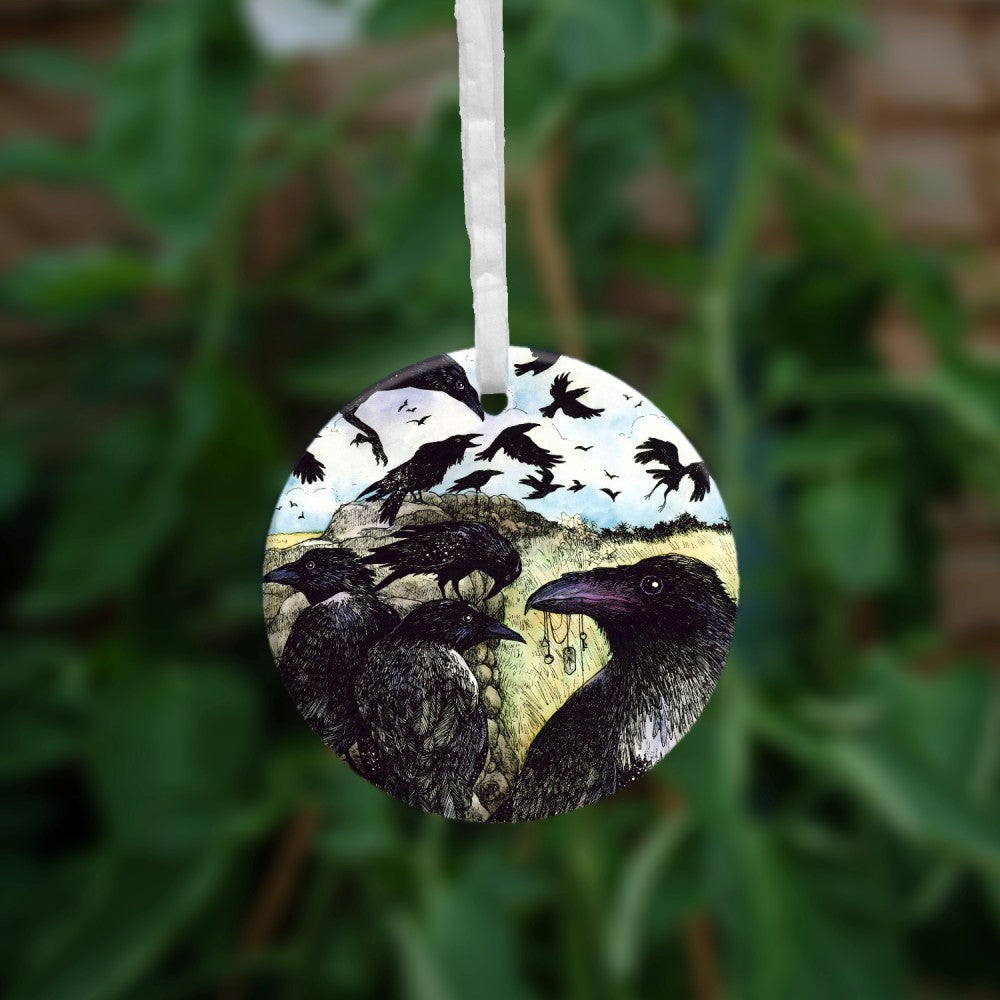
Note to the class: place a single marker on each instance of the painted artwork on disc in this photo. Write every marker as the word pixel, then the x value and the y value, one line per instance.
pixel 500 618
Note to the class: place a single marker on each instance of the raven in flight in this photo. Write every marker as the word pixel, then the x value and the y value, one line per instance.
pixel 515 443
pixel 420 702
pixel 614 494
pixel 425 470
pixel 580 447
pixel 568 400
pixel 541 485
pixel 668 621
pixel 309 469
pixel 440 374
pixel 611 475
pixel 474 481
pixel 576 487
pixel 402 406
pixel 541 361
pixel 302 516
pixel 421 421
pixel 665 452
pixel 451 551
pixel 330 639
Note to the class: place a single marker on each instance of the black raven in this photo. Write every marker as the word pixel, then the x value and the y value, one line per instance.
pixel 402 406
pixel 428 466
pixel 515 443
pixel 292 503
pixel 669 622
pixel 541 485
pixel 576 487
pixel 451 551
pixel 610 475
pixel 541 361
pixel 420 702
pixel 665 452
pixel 440 374
pixel 302 516
pixel 309 469
pixel 330 639
pixel 614 494
pixel 580 447
pixel 421 421
pixel 568 400
pixel 474 481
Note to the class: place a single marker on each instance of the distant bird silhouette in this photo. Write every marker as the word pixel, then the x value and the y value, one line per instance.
pixel 541 361
pixel 474 481
pixel 411 409
pixel 541 485
pixel 329 640
pixel 576 487
pixel 402 406
pixel 611 475
pixel 515 443
pixel 279 506
pixel 614 494
pixel 426 734
pixel 440 374
pixel 568 400
pixel 292 503
pixel 425 470
pixel 637 405
pixel 581 447
pixel 665 452
pixel 668 621
pixel 309 469
pixel 302 515
pixel 626 395
pixel 449 551
pixel 421 421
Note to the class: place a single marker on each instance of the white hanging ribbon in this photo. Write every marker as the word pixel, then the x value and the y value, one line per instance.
pixel 480 71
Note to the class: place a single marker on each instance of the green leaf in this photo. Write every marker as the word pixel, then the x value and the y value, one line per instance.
pixel 42 160
pixel 52 68
pixel 74 284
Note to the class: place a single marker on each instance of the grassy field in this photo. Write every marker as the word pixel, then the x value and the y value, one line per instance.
pixel 532 689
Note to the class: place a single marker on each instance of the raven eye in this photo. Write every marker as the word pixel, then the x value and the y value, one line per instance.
pixel 651 585
pixel 311 564
pixel 467 618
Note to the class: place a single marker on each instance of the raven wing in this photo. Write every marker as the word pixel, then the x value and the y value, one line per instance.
pixel 309 469
pixel 657 450
pixel 572 407
pixel 570 762
pixel 700 481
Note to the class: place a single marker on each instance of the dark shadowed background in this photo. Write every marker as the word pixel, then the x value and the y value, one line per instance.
pixel 779 219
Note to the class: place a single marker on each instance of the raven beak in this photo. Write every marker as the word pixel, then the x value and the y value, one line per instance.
pixel 471 399
pixel 498 631
pixel 579 593
pixel 470 439
pixel 498 585
pixel 283 574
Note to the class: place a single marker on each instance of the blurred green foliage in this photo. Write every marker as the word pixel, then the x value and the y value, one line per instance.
pixel 830 828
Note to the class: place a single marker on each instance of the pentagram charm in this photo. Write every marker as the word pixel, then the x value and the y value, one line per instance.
pixel 500 618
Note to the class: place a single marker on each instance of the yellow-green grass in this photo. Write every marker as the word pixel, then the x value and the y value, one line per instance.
pixel 286 539
pixel 532 690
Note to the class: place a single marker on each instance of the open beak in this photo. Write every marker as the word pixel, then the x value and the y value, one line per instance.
pixel 498 631
pixel 282 575
pixel 470 439
pixel 580 593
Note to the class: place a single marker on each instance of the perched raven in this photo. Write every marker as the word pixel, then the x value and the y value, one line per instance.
pixel 576 487
pixel 427 737
pixel 330 639
pixel 440 374
pixel 568 400
pixel 473 481
pixel 541 361
pixel 515 443
pixel 451 551
pixel 669 622
pixel 665 452
pixel 428 466
pixel 541 485
pixel 309 469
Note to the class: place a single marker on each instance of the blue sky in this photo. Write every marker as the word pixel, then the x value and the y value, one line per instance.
pixel 613 437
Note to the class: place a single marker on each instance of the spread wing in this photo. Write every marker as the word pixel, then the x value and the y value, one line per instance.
pixel 309 469
pixel 657 450
pixel 700 481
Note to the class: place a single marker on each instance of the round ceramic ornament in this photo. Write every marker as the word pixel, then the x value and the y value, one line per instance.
pixel 499 617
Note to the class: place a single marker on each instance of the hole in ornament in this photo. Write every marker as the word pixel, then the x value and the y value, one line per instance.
pixel 494 402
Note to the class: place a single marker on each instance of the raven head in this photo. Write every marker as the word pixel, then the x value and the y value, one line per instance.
pixel 504 572
pixel 670 597
pixel 323 572
pixel 449 377
pixel 454 624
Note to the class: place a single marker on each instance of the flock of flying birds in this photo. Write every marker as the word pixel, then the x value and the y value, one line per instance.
pixel 428 467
